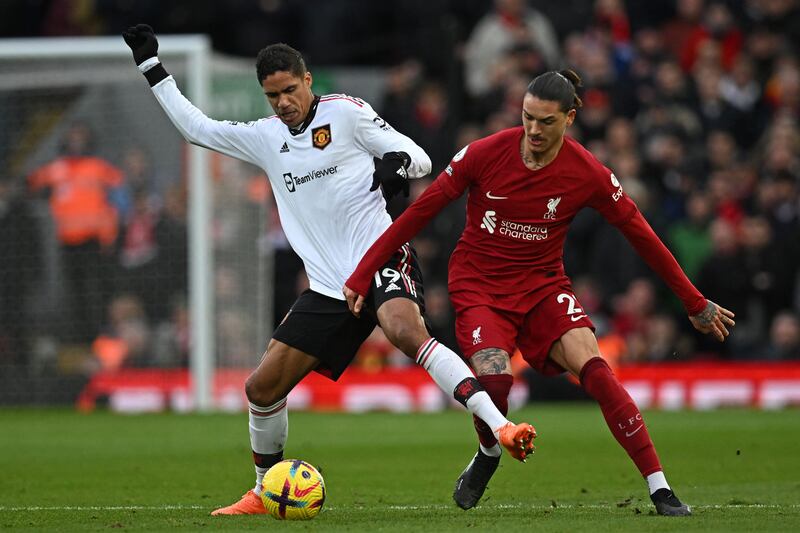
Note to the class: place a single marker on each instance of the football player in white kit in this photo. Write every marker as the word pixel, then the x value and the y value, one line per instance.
pixel 325 157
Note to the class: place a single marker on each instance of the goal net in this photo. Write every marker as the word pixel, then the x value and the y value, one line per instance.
pixel 126 253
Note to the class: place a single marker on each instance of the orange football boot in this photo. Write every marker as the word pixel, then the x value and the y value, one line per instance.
pixel 517 439
pixel 249 504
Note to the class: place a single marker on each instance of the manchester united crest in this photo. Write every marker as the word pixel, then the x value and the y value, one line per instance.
pixel 321 136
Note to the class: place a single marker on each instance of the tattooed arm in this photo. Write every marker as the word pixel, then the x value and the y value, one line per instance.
pixel 713 319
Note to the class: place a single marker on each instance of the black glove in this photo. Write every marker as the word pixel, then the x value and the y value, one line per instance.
pixel 391 173
pixel 142 41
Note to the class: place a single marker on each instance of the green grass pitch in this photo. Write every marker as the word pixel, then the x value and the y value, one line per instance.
pixel 63 471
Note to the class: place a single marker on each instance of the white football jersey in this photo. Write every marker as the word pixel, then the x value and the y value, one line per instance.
pixel 320 177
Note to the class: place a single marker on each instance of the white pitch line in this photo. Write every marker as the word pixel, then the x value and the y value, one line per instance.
pixel 104 508
pixel 588 506
pixel 391 507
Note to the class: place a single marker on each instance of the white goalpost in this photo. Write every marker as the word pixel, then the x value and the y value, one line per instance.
pixel 68 63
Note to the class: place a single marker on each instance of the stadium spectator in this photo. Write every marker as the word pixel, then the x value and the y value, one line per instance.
pixel 784 338
pixel 509 24
pixel 717 30
pixel 724 275
pixel 141 177
pixel 722 153
pixel 687 21
pixel 633 308
pixel 402 83
pixel 79 185
pixel 714 112
pixel 689 237
pixel 740 89
pixel 648 52
pixel 151 251
pixel 781 16
pixel 125 338
pixel 426 117
pixel 771 271
pixel 621 139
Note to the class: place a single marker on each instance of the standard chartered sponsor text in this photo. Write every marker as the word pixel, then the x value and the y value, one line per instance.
pixel 525 232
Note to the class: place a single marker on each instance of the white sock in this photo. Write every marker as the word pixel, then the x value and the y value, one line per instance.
pixel 494 451
pixel 448 370
pixel 269 427
pixel 656 481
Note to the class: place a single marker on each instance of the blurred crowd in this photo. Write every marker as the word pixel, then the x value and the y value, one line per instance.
pixel 694 104
pixel 118 235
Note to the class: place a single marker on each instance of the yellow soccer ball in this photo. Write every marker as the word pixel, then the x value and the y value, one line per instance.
pixel 293 490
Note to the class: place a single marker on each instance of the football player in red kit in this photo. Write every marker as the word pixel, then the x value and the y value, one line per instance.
pixel 506 275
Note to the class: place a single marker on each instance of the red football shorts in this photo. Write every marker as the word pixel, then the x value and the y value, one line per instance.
pixel 532 330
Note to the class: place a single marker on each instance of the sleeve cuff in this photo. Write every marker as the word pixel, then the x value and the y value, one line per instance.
pixel 148 63
pixel 697 308
pixel 156 74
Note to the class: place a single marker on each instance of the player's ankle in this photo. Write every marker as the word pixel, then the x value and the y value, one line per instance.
pixel 656 481
pixel 491 451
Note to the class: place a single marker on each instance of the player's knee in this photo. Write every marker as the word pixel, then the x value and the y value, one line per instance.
pixel 398 335
pixel 574 349
pixel 406 335
pixel 259 392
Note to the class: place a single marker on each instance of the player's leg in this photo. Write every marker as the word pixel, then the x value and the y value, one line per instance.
pixel 319 333
pixel 397 294
pixel 486 336
pixel 281 368
pixel 403 325
pixel 493 368
pixel 577 351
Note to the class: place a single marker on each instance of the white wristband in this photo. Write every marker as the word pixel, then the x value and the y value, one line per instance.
pixel 148 63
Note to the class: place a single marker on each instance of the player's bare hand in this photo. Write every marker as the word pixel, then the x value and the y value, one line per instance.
pixel 354 300
pixel 715 320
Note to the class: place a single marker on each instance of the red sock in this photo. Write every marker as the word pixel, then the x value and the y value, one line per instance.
pixel 497 386
pixel 621 414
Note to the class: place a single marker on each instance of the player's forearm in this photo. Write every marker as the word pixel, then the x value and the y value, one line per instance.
pixel 652 250
pixel 401 231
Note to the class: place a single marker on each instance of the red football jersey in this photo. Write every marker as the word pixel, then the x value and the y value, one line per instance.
pixel 517 218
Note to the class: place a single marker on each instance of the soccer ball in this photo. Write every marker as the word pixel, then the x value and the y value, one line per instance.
pixel 293 490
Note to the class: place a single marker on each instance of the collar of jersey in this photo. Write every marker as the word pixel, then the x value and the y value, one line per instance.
pixel 311 114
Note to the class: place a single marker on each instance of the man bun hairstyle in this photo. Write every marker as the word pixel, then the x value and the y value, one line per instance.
pixel 558 87
pixel 279 57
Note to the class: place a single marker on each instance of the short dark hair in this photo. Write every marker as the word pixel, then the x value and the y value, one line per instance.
pixel 558 87
pixel 279 57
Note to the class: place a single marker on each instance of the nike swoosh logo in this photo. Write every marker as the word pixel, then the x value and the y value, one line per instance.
pixel 632 433
pixel 299 493
pixel 490 196
pixel 576 318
